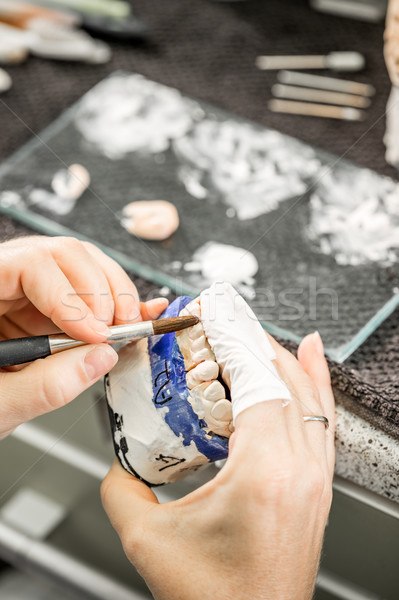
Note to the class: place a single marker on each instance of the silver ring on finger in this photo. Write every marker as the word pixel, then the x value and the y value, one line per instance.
pixel 320 418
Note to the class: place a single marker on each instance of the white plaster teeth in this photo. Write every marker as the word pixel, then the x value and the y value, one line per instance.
pixel 192 308
pixel 222 410
pixel 214 392
pixel 196 331
pixel 201 350
pixel 198 344
pixel 204 354
pixel 205 371
pixel 207 395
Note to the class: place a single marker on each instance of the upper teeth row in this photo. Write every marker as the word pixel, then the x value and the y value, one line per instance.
pixel 207 395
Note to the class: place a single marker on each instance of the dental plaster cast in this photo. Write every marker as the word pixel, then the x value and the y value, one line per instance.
pixel 170 410
pixel 150 220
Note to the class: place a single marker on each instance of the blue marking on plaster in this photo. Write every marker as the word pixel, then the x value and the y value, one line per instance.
pixel 170 390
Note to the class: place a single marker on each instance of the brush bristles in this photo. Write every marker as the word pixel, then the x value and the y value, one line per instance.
pixel 174 324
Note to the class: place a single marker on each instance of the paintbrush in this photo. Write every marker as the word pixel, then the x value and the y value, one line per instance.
pixel 22 350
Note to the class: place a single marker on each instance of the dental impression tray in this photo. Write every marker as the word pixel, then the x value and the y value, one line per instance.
pixel 168 407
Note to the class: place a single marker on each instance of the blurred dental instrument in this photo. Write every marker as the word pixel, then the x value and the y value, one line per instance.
pixel 117 9
pixel 11 51
pixel 104 18
pixel 316 110
pixel 335 61
pixel 49 34
pixel 325 83
pixel 5 81
pixel 18 13
pixel 292 92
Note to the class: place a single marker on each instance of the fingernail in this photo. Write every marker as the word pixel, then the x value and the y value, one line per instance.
pixel 318 343
pixel 128 309
pixel 99 361
pixel 98 326
pixel 155 305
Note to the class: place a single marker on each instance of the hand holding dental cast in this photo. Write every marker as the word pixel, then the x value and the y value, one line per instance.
pixel 256 529
pixel 48 285
pixel 170 407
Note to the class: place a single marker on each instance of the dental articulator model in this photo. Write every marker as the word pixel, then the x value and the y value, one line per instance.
pixel 171 411
pixel 170 399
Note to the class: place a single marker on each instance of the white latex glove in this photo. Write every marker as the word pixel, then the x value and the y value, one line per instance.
pixel 241 347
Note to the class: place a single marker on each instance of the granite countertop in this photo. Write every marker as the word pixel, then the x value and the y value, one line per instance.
pixel 207 50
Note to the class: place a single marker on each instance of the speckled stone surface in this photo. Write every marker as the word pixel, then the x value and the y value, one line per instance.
pixel 366 455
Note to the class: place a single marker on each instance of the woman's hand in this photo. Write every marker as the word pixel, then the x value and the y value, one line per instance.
pixel 256 530
pixel 57 284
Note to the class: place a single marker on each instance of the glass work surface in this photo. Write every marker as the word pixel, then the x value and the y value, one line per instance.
pixel 311 241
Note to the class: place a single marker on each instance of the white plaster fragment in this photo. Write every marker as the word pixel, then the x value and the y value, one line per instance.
pixel 129 113
pixel 253 170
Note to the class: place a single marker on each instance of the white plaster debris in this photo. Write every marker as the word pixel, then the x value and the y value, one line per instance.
pixel 252 169
pixel 356 218
pixel 164 291
pixel 222 262
pixel 51 202
pixel 11 199
pixel 129 113
pixel 37 197
pixel 70 183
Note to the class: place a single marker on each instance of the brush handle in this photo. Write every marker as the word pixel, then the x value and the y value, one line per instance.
pixel 22 350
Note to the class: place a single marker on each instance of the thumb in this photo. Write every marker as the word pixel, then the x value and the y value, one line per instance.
pixel 152 309
pixel 311 358
pixel 126 500
pixel 50 383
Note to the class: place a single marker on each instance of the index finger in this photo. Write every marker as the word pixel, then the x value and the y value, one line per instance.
pixel 124 292
pixel 49 290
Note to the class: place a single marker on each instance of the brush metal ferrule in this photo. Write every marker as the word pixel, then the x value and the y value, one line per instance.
pixel 61 341
pixel 130 332
pixel 119 333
